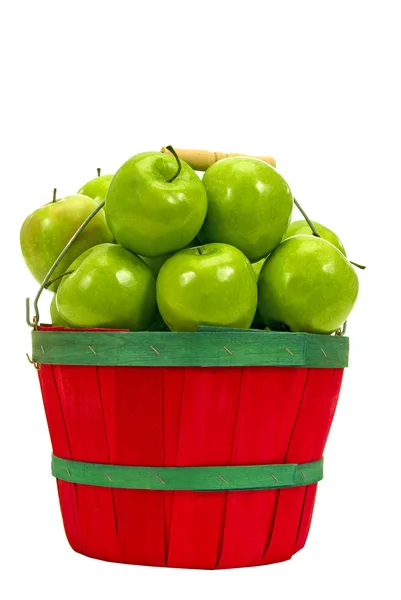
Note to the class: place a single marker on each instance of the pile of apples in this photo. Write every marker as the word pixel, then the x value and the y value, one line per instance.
pixel 172 251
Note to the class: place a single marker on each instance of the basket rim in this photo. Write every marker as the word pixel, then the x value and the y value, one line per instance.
pixel 208 347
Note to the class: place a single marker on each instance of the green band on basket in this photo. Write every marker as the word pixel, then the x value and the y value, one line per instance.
pixel 248 477
pixel 209 347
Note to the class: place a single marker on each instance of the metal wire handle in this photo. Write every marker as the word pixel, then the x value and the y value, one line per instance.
pixel 35 321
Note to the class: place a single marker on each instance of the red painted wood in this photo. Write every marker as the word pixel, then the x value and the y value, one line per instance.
pixel 208 418
pixel 79 394
pixel 314 419
pixel 173 388
pixel 268 408
pixel 134 409
pixel 306 516
pixel 67 491
pixel 310 492
pixel 188 416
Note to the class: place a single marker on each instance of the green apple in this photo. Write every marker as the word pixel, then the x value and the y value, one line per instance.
pixel 302 228
pixel 249 206
pixel 308 284
pixel 97 188
pixel 212 284
pixel 258 321
pixel 257 267
pixel 155 263
pixel 46 232
pixel 109 287
pixel 147 213
pixel 57 321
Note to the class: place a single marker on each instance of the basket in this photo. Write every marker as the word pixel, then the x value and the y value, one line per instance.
pixel 197 450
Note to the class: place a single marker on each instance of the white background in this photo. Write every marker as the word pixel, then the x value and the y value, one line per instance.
pixel 315 84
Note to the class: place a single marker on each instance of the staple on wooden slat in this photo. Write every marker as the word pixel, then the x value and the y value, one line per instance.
pixel 154 350
pixel 91 349
pixel 274 477
pixel 160 479
pixel 289 351
pixel 228 350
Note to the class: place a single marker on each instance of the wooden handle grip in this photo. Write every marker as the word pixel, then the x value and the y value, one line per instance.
pixel 200 160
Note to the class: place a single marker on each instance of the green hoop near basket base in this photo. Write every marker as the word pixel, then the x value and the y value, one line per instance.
pixel 198 479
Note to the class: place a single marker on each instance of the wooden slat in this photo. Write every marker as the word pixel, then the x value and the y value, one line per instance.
pixel 268 409
pixel 196 479
pixel 208 418
pixel 78 390
pixel 310 492
pixel 132 402
pixel 58 434
pixel 204 348
pixel 313 421
pixel 173 389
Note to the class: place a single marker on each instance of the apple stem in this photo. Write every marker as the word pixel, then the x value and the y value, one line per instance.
pixel 199 251
pixel 174 153
pixel 54 194
pixel 49 283
pixel 315 233
pixel 98 171
pixel 357 265
pixel 307 219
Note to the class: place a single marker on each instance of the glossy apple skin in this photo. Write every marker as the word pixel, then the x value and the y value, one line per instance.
pixel 308 284
pixel 57 321
pixel 212 284
pixel 249 206
pixel 97 188
pixel 149 215
pixel 110 287
pixel 46 232
pixel 302 228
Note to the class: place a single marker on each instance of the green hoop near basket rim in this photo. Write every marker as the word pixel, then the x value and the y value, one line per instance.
pixel 201 479
pixel 208 347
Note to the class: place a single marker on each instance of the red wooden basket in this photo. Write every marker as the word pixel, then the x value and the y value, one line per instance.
pixel 214 398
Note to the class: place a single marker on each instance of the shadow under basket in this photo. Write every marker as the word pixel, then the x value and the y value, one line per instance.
pixel 195 450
